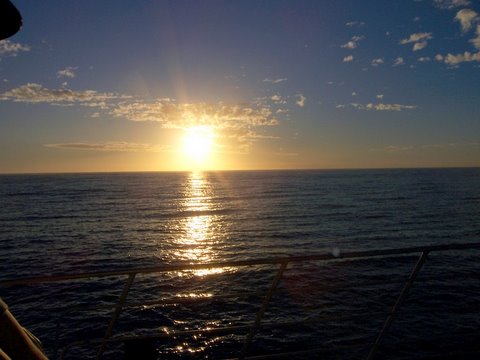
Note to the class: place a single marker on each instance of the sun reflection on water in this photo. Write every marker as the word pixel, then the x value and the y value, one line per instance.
pixel 196 245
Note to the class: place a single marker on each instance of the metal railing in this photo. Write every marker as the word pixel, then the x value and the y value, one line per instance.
pixel 282 262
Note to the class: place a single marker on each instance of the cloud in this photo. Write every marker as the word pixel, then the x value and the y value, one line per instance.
pixel 348 58
pixel 394 148
pixel 113 146
pixel 398 61
pixel 419 40
pixel 466 17
pixel 355 23
pixel 68 72
pixel 376 62
pixel 424 59
pixel 450 4
pixel 237 122
pixel 383 107
pixel 416 38
pixel 476 41
pixel 277 99
pixel 354 93
pixel 184 115
pixel 36 93
pixel 420 45
pixel 439 146
pixel 379 96
pixel 353 43
pixel 274 81
pixel 455 60
pixel 301 100
pixel 349 45
pixel 8 48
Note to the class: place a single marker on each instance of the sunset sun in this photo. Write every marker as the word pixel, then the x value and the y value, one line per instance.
pixel 198 143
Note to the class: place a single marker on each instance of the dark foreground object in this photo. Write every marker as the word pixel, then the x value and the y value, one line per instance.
pixel 10 19
pixel 140 349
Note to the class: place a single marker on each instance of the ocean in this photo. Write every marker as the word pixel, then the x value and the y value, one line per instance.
pixel 69 223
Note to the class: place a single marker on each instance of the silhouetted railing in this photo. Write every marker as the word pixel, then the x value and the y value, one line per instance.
pixel 251 329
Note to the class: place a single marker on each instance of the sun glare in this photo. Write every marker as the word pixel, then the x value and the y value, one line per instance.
pixel 198 143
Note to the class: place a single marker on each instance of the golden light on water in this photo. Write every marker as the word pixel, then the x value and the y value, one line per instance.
pixel 198 240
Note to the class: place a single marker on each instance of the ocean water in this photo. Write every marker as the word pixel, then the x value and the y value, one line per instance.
pixel 68 223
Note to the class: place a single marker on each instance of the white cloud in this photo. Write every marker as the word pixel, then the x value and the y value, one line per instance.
pixel 394 148
pixel 450 4
pixel 184 115
pixel 274 81
pixel 68 72
pixel 455 60
pixel 236 122
pixel 113 146
pixel 419 40
pixel 399 61
pixel 353 43
pixel 419 45
pixel 380 96
pixel 354 93
pixel 36 93
pixel 476 41
pixel 439 146
pixel 383 107
pixel 349 45
pixel 355 23
pixel 348 58
pixel 424 59
pixel 466 17
pixel 416 19
pixel 277 99
pixel 376 62
pixel 301 100
pixel 165 111
pixel 416 37
pixel 8 48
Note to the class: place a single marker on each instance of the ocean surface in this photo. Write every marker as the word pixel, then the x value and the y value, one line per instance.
pixel 69 223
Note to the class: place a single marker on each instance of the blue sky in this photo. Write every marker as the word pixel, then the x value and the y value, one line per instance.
pixel 115 85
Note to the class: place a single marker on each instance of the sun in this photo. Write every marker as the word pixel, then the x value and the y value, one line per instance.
pixel 198 143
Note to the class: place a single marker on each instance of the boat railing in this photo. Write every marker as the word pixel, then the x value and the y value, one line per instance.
pixel 251 329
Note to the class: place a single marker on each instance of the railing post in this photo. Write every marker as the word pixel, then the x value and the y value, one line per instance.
pixel 116 313
pixel 57 338
pixel 400 300
pixel 262 310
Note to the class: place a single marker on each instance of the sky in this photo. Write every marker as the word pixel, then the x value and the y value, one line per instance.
pixel 111 85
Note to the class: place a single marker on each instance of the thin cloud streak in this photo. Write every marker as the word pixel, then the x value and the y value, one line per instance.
pixel 274 81
pixel 450 4
pixel 111 146
pixel 383 107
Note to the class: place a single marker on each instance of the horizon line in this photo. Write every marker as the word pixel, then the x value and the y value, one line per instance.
pixel 235 170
